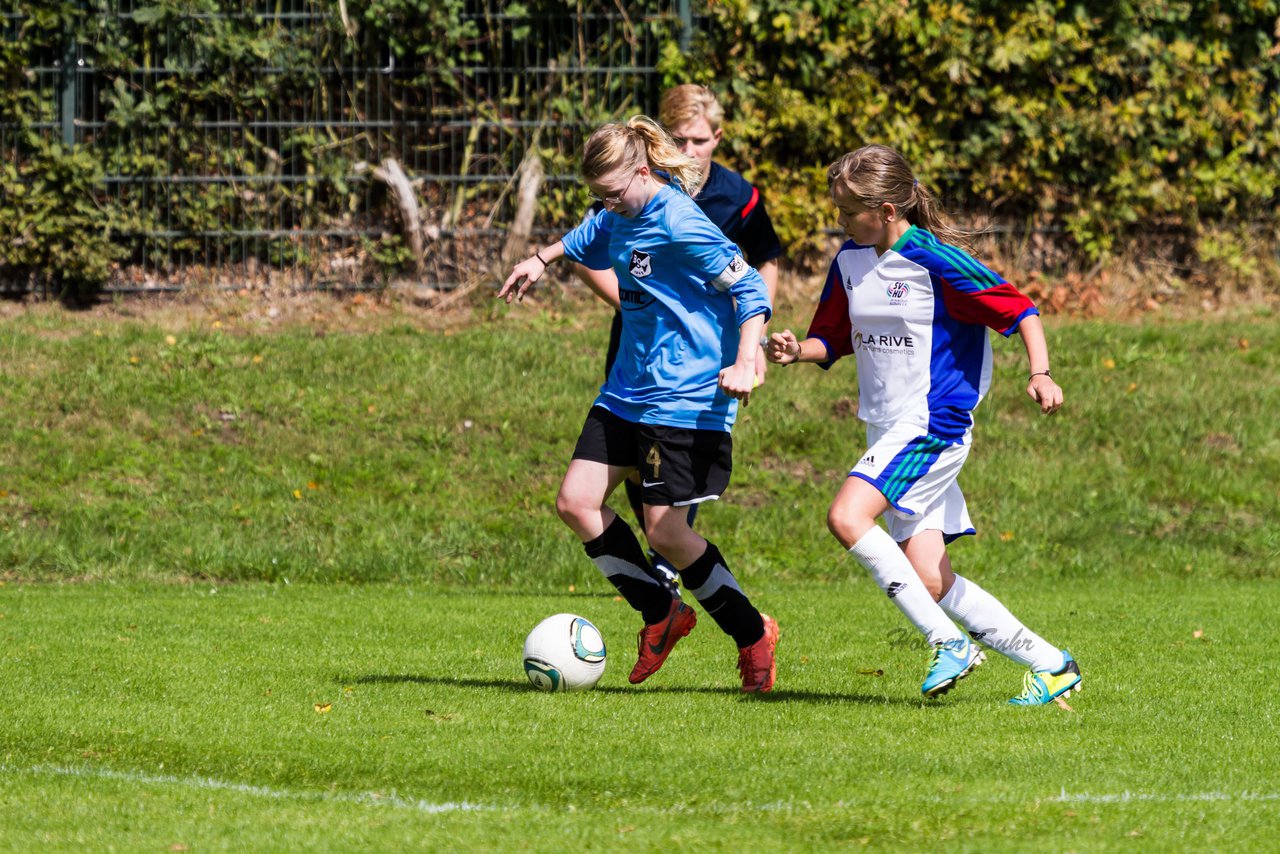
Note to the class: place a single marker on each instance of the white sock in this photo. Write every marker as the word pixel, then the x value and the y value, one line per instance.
pixel 890 568
pixel 991 623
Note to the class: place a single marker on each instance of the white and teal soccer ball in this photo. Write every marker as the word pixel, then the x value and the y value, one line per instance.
pixel 564 652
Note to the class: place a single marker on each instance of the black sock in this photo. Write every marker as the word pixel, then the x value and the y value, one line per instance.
pixel 618 555
pixel 715 588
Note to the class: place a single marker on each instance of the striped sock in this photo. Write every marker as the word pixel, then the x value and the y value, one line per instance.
pixel 618 556
pixel 709 580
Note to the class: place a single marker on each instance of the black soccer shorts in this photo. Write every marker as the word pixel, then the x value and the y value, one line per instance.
pixel 678 465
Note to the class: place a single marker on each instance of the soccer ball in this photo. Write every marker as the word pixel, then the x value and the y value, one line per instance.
pixel 564 652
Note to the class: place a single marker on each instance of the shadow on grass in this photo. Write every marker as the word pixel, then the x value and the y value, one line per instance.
pixel 515 686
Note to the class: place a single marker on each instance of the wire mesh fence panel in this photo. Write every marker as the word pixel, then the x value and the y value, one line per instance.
pixel 538 83
pixel 257 143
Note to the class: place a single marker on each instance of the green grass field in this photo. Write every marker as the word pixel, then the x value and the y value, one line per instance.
pixel 266 589
pixel 141 717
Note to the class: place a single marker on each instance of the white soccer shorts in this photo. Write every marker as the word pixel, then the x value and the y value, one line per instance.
pixel 918 473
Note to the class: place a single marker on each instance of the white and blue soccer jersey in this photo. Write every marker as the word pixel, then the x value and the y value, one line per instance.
pixel 916 319
pixel 684 290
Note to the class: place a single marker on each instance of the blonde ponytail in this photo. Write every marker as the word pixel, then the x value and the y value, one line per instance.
pixel 875 174
pixel 639 142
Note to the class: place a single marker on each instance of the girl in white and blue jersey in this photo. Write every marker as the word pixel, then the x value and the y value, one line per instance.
pixel 692 315
pixel 914 311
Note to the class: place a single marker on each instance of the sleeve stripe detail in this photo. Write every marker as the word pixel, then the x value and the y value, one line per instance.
pixel 980 275
pixel 751 203
pixel 1031 310
pixel 832 355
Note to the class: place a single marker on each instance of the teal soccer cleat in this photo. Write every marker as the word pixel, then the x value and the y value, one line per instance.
pixel 951 662
pixel 1040 687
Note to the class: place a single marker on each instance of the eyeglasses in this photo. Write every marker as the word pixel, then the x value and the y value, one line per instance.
pixel 610 201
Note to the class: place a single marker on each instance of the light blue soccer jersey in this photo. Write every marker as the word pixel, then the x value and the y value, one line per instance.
pixel 684 290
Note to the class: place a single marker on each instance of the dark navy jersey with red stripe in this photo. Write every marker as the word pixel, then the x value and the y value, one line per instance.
pixel 738 209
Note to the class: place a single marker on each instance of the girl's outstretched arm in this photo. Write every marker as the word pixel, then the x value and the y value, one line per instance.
pixel 529 270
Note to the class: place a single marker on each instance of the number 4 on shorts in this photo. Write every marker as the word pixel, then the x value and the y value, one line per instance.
pixel 654 460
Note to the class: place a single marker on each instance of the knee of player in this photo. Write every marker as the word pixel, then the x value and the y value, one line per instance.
pixel 569 509
pixel 934 586
pixel 667 530
pixel 845 526
pixel 660 537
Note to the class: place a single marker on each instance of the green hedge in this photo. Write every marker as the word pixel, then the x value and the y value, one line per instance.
pixel 1109 120
pixel 71 228
pixel 158 67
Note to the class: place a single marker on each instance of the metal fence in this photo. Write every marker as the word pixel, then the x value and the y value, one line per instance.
pixel 574 71
pixel 278 184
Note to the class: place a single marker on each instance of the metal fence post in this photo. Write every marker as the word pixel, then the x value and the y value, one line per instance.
pixel 69 89
pixel 686 25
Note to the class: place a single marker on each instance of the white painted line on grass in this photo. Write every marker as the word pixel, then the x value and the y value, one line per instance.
pixel 377 799
pixel 1160 797
pixel 374 799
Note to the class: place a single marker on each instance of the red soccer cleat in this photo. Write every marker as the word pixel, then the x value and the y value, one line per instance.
pixel 756 662
pixel 656 641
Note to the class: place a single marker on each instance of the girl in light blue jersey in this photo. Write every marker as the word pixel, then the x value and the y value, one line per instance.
pixel 693 115
pixel 692 312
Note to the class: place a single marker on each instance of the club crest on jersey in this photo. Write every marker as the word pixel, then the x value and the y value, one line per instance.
pixel 730 275
pixel 897 292
pixel 641 264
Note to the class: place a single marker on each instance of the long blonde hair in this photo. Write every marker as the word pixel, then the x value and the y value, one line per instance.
pixel 875 174
pixel 639 141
